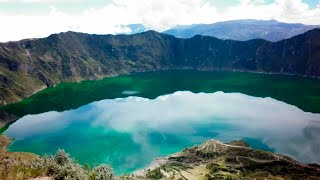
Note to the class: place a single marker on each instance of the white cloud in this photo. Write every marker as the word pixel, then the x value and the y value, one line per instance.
pixel 154 14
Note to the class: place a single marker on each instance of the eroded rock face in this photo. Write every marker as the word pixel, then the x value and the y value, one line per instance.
pixel 217 160
pixel 6 118
pixel 239 143
pixel 31 64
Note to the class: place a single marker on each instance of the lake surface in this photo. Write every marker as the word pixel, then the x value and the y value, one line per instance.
pixel 130 132
pixel 301 92
pixel 149 115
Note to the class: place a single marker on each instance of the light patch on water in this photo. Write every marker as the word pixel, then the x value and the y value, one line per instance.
pixel 283 127
pixel 127 92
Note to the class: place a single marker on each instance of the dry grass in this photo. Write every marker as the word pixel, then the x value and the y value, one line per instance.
pixel 12 163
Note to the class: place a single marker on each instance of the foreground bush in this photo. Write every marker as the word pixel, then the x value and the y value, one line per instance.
pixel 102 172
pixel 62 167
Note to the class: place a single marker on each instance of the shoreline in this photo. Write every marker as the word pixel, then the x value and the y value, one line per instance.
pixel 168 69
pixel 5 153
pixel 5 122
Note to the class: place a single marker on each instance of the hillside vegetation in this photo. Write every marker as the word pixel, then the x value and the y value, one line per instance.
pixel 31 65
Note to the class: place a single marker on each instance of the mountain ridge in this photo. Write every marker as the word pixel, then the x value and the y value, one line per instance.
pixel 28 66
pixel 243 30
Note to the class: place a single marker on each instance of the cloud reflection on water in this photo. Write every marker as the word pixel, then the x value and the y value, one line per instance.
pixel 282 127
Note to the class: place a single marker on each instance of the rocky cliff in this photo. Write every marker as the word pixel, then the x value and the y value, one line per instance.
pixel 28 66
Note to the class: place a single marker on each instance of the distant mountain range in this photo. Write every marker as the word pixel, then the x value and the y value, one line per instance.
pixel 136 28
pixel 243 30
pixel 28 66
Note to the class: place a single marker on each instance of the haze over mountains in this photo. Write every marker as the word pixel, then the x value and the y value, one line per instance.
pixel 243 30
pixel 31 65
pixel 136 28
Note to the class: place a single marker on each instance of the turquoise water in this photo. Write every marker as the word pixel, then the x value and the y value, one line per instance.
pixel 131 132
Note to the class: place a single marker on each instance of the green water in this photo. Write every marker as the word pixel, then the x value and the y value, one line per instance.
pixel 130 132
pixel 301 92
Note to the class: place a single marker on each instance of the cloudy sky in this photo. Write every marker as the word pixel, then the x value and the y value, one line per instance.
pixel 39 18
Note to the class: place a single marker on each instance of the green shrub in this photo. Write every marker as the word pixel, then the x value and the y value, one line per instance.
pixel 126 177
pixel 102 172
pixel 62 157
pixel 62 167
pixel 154 174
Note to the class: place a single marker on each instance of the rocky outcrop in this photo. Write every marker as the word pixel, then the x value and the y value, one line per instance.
pixel 216 160
pixel 5 120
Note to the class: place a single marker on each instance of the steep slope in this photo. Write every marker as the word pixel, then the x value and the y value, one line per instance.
pixel 216 160
pixel 30 65
pixel 243 30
